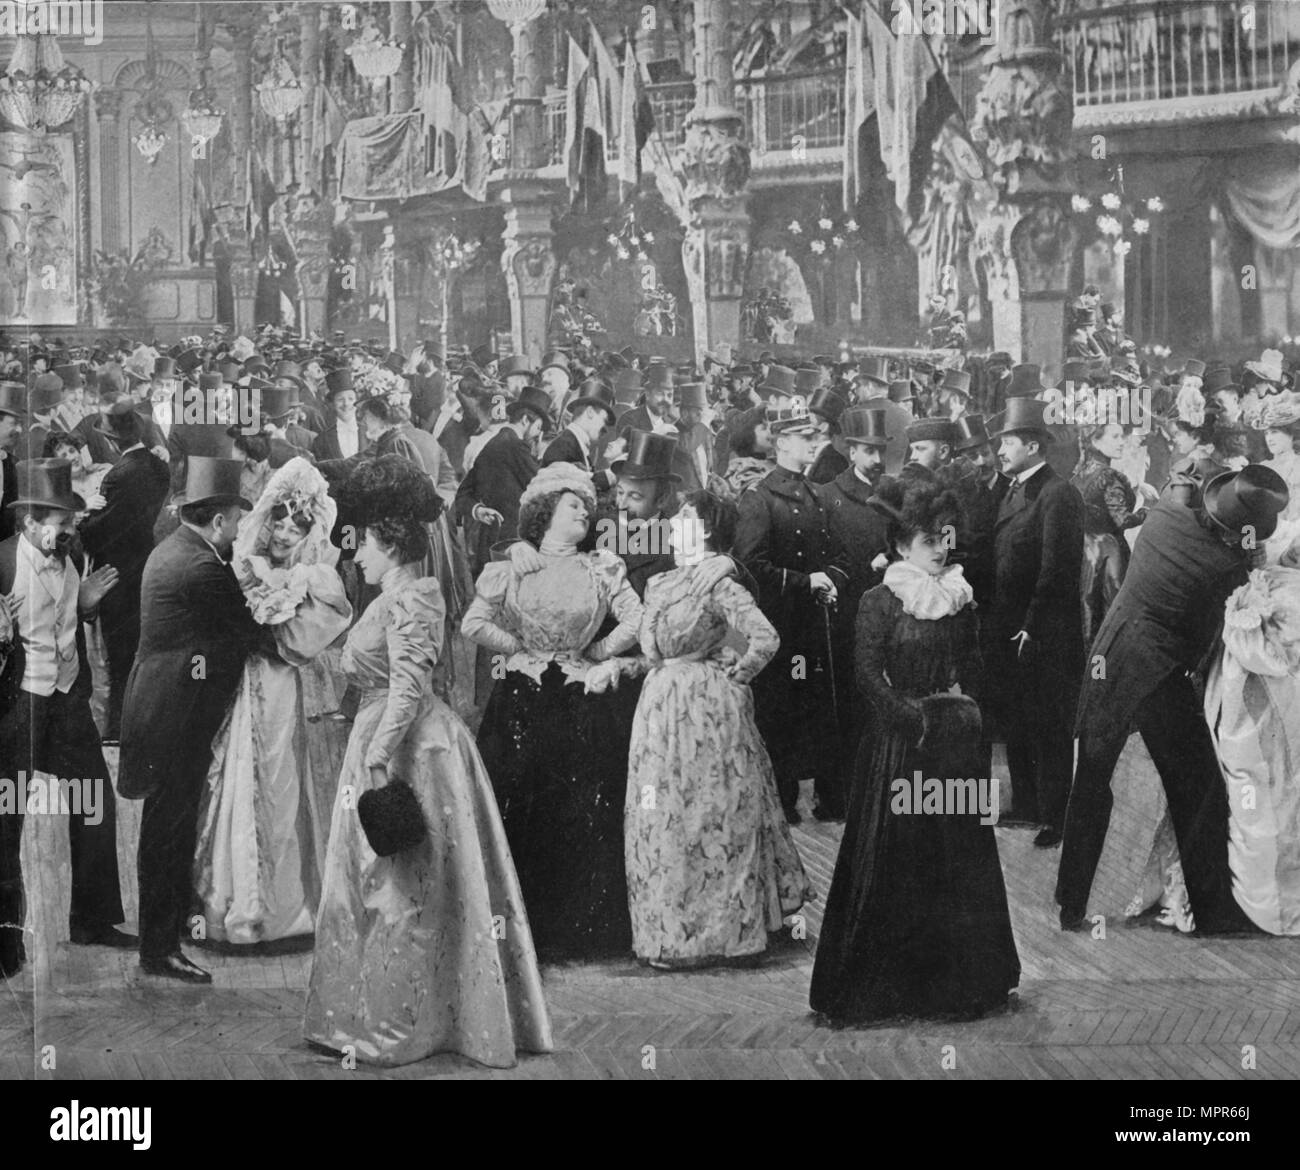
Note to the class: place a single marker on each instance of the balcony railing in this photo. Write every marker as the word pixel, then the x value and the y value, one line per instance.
pixel 780 114
pixel 1161 51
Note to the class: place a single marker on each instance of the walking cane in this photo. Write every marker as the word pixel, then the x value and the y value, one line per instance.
pixel 830 662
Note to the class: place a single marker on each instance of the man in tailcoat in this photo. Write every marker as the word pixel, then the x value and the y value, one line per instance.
pixel 1033 633
pixel 1160 630
pixel 783 540
pixel 121 534
pixel 195 633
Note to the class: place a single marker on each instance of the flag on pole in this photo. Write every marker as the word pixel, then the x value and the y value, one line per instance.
pixel 859 105
pixel 574 109
pixel 636 121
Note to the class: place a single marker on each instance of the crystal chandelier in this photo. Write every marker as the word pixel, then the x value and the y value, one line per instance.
pixel 38 91
pixel 202 116
pixel 152 108
pixel 372 56
pixel 280 91
pixel 516 12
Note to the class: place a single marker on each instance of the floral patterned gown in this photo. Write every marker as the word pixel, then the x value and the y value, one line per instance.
pixel 428 950
pixel 558 756
pixel 711 866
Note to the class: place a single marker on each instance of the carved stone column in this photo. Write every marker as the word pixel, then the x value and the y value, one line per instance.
pixel 310 230
pixel 715 162
pixel 529 265
pixel 1023 123
pixel 108 108
pixel 308 167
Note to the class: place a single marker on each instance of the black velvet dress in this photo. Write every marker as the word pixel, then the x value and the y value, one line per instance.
pixel 916 919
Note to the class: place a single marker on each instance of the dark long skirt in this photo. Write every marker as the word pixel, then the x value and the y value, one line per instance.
pixel 558 761
pixel 916 919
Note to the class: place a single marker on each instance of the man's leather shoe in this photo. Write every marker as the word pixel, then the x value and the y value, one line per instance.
pixel 1047 838
pixel 1072 921
pixel 175 966
pixel 828 812
pixel 101 936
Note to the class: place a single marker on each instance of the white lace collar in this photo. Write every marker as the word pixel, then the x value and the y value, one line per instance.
pixel 928 596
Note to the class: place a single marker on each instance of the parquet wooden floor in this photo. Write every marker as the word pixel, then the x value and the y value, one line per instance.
pixel 1142 1002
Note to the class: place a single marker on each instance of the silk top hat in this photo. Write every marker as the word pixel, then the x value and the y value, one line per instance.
pixel 827 403
pixel 627 381
pixel 806 380
pixel 337 381
pixel 230 372
pixel 13 399
pixel 791 420
pixel 484 356
pixel 780 380
pixel 866 425
pixel 212 481
pixel 47 483
pixel 276 403
pixel 394 362
pixel 692 396
pixel 958 381
pixel 937 429
pixel 556 358
pixel 660 377
pixel 1076 372
pixel 290 370
pixel 514 366
pixel 124 422
pixel 164 367
pixel 210 381
pixel 649 456
pixel 1250 498
pixel 189 360
pixel 71 375
pixel 1217 379
pixel 213 440
pixel 970 432
pixel 1026 381
pixel 901 391
pixel 594 392
pixel 46 393
pixel 532 400
pixel 1193 368
pixel 1025 416
pixel 875 369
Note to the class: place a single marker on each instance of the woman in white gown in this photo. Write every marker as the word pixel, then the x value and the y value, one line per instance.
pixel 262 832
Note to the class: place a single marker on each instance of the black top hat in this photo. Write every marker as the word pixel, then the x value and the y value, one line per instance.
pixel 594 392
pixel 337 381
pixel 164 367
pixel 1217 379
pixel 515 365
pixel 256 364
pixel 47 483
pixel 901 391
pixel 649 456
pixel 46 393
pixel 484 355
pixel 780 380
pixel 71 375
pixel 938 429
pixel 1250 498
pixel 828 403
pixel 212 481
pixel 876 369
pixel 210 380
pixel 970 432
pixel 189 360
pixel 806 380
pixel 290 370
pixel 692 396
pixel 1077 371
pixel 394 362
pixel 866 425
pixel 1025 415
pixel 1026 381
pixel 532 400
pixel 957 381
pixel 277 403
pixel 13 399
pixel 1192 368
pixel 660 377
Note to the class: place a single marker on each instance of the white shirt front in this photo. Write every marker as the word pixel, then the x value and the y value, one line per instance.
pixel 349 437
pixel 661 425
pixel 47 620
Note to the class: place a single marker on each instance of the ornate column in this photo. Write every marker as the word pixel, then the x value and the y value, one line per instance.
pixel 715 162
pixel 1023 122
pixel 529 265
pixel 108 109
pixel 308 167
pixel 310 231
pixel 403 93
pixel 243 270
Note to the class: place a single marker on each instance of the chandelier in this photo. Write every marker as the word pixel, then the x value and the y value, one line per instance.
pixel 152 108
pixel 38 91
pixel 202 116
pixel 280 91
pixel 372 56
pixel 516 13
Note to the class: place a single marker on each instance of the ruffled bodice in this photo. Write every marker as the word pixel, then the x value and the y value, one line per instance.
pixel 553 614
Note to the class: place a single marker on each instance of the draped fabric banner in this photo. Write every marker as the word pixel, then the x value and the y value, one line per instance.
pixel 1265 196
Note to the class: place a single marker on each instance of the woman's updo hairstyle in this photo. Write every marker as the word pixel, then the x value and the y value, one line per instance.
pixel 538 502
pixel 913 508
pixel 394 500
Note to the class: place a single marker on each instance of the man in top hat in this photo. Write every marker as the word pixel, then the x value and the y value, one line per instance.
pixel 656 410
pixel 778 387
pixel 827 406
pixel 785 543
pixel 342 439
pixel 288 375
pixel 163 388
pixel 42 401
pixel 516 372
pixel 195 633
pixel 1110 332
pixel 694 453
pixel 872 379
pixel 953 394
pixel 68 413
pixel 1160 629
pixel 13 410
pixel 1033 632
pixel 121 534
pixel 861 531
pixel 1082 342
pixel 591 414
pixel 45 720
pixel 977 479
pixel 555 377
pixel 929 449
pixel 279 409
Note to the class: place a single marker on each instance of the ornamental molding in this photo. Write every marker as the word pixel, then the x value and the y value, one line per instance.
pixel 1253 103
